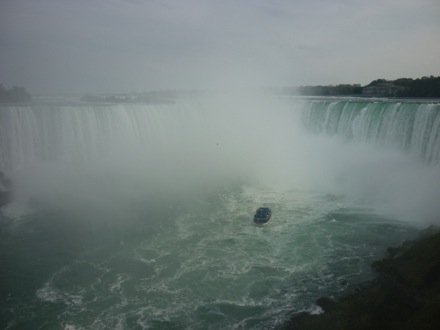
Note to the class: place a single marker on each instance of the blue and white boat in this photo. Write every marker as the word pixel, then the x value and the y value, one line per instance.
pixel 262 216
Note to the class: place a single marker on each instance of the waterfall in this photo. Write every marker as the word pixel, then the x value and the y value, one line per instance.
pixel 200 142
pixel 84 132
pixel 193 142
pixel 78 133
pixel 409 126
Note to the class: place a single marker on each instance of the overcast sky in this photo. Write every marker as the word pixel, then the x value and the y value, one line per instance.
pixel 83 46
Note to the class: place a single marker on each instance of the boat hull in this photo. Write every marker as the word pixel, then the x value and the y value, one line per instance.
pixel 262 216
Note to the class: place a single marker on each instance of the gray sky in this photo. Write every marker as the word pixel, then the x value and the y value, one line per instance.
pixel 83 46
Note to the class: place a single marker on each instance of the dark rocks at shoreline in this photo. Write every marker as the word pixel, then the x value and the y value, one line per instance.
pixel 405 295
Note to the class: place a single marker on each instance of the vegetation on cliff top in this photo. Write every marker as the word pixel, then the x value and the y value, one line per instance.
pixel 420 87
pixel 405 87
pixel 14 94
pixel 428 87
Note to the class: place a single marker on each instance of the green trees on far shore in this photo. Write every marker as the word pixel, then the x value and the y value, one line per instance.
pixel 421 87
pixel 425 87
pixel 14 94
pixel 344 89
pixel 404 87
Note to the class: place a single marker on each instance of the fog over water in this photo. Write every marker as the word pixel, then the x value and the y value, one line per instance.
pixel 138 215
pixel 205 141
pixel 208 140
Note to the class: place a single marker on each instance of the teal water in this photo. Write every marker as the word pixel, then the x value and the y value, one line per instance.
pixel 202 266
pixel 140 216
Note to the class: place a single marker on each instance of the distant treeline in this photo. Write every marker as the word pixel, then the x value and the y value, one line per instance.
pixel 402 87
pixel 344 89
pixel 420 87
pixel 14 94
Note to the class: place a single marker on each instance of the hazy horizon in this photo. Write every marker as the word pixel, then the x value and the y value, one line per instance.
pixel 62 46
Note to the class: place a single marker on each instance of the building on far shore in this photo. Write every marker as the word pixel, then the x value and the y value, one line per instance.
pixel 383 89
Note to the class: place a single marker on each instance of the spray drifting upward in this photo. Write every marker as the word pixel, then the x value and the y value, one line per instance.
pixel 209 141
pixel 390 154
pixel 168 148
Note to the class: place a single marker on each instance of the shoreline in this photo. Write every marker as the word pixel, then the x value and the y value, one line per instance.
pixel 404 295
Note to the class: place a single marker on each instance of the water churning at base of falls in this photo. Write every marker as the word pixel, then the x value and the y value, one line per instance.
pixel 139 216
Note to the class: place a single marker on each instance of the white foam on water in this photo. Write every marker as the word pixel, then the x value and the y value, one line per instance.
pixel 114 171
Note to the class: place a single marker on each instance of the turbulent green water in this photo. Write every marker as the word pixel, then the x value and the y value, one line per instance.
pixel 204 266
pixel 163 238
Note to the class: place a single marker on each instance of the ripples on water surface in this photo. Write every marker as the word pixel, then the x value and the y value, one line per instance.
pixel 142 220
pixel 198 265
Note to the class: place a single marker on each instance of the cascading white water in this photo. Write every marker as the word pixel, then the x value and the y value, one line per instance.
pixel 409 126
pixel 207 140
pixel 213 139
pixel 391 152
pixel 144 213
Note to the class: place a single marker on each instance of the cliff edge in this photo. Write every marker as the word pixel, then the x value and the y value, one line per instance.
pixel 404 295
